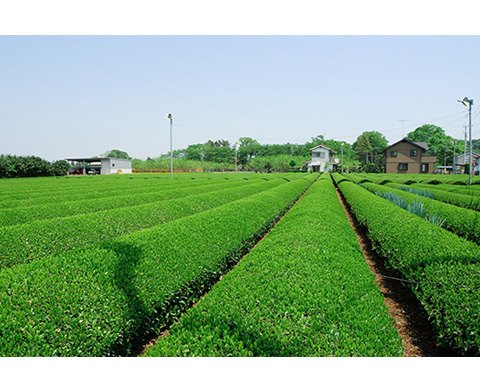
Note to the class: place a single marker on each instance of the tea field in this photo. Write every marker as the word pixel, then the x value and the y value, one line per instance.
pixel 230 264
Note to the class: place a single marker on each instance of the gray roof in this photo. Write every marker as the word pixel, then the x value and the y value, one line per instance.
pixel 322 146
pixel 422 145
pixel 94 159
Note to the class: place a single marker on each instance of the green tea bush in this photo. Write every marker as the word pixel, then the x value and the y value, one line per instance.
pixel 24 243
pixel 304 290
pixel 442 267
pixel 463 222
pixel 103 300
pixel 21 215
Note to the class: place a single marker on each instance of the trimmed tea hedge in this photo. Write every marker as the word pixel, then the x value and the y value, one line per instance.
pixel 24 243
pixel 103 300
pixel 443 268
pixel 462 222
pixel 135 197
pixel 461 200
pixel 304 290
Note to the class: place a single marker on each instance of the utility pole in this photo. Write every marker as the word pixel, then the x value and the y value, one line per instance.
pixel 169 116
pixel 454 166
pixel 445 156
pixel 342 158
pixel 403 124
pixel 470 104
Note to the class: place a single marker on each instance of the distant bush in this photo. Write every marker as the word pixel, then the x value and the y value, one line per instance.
pixel 30 166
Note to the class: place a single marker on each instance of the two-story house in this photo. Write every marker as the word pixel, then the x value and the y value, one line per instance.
pixel 323 159
pixel 406 156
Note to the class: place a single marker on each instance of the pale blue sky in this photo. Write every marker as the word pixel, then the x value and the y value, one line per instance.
pixel 76 96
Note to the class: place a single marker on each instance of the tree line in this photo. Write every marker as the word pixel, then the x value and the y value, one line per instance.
pixel 30 166
pixel 363 155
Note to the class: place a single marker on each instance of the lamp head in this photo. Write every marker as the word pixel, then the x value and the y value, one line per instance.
pixel 168 116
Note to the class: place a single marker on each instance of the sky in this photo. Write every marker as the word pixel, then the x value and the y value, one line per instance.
pixel 80 95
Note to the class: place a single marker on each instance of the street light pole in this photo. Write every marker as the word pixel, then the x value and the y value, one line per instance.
pixel 236 165
pixel 454 166
pixel 470 103
pixel 169 116
pixel 342 158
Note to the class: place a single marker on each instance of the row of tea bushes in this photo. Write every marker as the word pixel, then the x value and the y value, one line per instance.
pixel 443 268
pixel 90 191
pixel 103 300
pixel 460 180
pixel 24 243
pixel 457 199
pixel 462 222
pixel 465 190
pixel 142 195
pixel 50 186
pixel 304 290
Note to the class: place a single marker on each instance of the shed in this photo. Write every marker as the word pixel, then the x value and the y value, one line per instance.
pixel 104 165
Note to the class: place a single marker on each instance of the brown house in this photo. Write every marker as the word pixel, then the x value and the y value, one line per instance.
pixel 407 156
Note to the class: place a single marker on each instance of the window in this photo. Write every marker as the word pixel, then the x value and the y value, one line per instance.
pixel 322 154
pixel 393 153
pixel 403 167
pixel 413 152
pixel 425 168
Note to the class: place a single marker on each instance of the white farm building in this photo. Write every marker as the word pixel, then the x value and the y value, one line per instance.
pixel 323 159
pixel 102 165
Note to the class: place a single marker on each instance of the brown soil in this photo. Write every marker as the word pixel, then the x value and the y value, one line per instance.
pixel 410 319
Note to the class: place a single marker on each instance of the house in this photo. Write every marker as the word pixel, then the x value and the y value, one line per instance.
pixel 463 159
pixel 323 159
pixel 102 165
pixel 406 156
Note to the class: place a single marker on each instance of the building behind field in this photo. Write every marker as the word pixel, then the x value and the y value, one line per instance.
pixel 100 166
pixel 406 156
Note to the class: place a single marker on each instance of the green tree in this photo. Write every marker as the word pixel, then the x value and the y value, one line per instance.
pixel 438 142
pixel 218 151
pixel 60 168
pixel 195 152
pixel 7 166
pixel 115 153
pixel 370 143
pixel 248 149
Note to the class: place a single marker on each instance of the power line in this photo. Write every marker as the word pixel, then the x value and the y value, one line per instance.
pixel 234 136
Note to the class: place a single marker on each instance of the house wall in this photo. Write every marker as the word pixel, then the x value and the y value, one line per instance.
pixel 116 165
pixel 414 163
pixel 318 163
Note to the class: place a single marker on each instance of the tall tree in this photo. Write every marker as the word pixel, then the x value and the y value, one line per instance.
pixel 372 144
pixel 438 142
pixel 248 149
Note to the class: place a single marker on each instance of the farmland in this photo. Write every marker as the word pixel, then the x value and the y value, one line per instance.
pixel 229 265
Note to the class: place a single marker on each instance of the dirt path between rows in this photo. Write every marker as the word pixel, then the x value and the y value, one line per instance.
pixel 410 319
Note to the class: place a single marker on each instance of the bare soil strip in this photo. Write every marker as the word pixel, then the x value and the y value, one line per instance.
pixel 410 318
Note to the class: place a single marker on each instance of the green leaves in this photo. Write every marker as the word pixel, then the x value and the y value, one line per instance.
pixel 444 266
pixel 304 290
pixel 104 299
